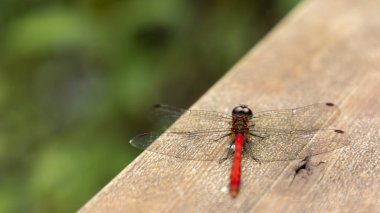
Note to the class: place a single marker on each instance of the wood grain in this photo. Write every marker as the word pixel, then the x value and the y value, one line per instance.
pixel 323 51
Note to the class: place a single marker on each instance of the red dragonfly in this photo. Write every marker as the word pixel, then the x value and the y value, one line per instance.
pixel 275 135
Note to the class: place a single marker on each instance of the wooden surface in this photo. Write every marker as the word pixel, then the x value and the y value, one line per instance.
pixel 323 51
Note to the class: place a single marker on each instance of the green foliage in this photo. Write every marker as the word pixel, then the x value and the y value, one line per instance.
pixel 76 78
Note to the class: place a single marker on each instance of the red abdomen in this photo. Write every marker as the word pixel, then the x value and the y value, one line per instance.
pixel 236 165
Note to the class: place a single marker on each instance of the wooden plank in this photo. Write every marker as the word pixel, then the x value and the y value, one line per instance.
pixel 323 51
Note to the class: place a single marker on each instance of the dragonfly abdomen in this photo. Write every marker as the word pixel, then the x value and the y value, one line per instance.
pixel 236 165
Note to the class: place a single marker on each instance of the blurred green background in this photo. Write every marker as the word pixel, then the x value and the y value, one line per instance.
pixel 77 76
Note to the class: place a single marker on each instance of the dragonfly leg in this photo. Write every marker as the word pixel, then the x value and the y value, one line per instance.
pixel 255 159
pixel 229 151
pixel 255 135
pixel 223 136
pixel 249 146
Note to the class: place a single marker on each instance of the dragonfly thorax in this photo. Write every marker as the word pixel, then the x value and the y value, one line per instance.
pixel 240 119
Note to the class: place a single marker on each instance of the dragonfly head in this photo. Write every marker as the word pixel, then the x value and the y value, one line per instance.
pixel 242 110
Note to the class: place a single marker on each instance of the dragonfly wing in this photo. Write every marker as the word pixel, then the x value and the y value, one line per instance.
pixel 194 135
pixel 291 145
pixel 203 146
pixel 191 120
pixel 315 116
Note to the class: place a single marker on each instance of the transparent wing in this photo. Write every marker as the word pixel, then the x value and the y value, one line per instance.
pixel 191 120
pixel 312 117
pixel 284 145
pixel 194 135
pixel 201 145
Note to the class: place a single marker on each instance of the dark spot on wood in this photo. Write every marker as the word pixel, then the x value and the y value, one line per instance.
pixel 305 165
pixel 330 104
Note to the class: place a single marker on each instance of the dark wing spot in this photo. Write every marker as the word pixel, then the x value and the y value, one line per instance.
pixel 329 104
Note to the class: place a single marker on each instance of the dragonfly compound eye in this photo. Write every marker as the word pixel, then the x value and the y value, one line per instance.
pixel 238 110
pixel 242 110
pixel 248 112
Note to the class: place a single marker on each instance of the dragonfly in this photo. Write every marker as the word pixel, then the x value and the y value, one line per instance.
pixel 267 136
